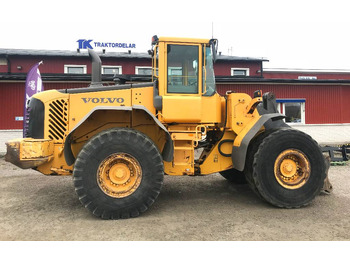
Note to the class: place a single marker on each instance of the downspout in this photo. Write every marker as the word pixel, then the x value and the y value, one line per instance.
pixel 8 64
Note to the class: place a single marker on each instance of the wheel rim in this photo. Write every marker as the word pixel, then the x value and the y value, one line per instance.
pixel 292 169
pixel 119 175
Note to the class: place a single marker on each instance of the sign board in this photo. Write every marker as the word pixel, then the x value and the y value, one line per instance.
pixel 307 77
pixel 90 44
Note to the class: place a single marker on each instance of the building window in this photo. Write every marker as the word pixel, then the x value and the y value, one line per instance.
pixel 111 70
pixel 293 109
pixel 239 71
pixel 143 70
pixel 3 61
pixel 75 69
pixel 175 74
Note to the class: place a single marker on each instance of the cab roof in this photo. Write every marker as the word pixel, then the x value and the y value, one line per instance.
pixel 184 40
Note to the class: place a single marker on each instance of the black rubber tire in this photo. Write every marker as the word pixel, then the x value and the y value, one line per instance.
pixel 246 176
pixel 263 168
pixel 118 140
pixel 252 149
pixel 234 176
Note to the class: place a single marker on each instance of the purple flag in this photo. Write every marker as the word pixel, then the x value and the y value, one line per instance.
pixel 34 85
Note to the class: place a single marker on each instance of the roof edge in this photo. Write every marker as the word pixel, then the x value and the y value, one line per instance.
pixel 126 54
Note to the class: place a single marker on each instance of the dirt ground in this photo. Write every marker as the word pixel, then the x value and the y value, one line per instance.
pixel 36 207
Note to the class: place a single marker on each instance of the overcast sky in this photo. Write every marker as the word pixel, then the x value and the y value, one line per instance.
pixel 291 34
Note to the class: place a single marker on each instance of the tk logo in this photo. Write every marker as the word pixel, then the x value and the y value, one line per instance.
pixel 85 44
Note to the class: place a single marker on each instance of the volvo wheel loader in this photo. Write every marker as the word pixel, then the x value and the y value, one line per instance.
pixel 118 141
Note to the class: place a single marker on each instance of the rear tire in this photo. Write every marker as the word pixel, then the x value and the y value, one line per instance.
pixel 118 174
pixel 288 169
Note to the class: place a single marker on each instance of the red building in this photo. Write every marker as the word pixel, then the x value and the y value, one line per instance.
pixel 307 74
pixel 305 97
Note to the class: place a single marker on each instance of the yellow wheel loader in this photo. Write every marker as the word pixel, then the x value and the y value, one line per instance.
pixel 118 141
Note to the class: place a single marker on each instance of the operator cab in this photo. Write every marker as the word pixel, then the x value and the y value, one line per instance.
pixel 184 69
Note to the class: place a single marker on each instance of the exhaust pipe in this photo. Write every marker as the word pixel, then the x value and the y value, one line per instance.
pixel 96 77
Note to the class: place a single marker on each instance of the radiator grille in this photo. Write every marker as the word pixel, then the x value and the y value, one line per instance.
pixel 58 119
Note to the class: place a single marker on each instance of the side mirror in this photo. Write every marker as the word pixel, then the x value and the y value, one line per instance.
pixel 214 47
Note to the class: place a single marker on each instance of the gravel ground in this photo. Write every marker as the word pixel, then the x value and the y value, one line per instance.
pixel 37 207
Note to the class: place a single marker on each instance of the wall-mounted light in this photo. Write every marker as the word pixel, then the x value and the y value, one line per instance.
pixel 19 67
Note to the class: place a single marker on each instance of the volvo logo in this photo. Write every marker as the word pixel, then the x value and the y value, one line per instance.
pixel 103 100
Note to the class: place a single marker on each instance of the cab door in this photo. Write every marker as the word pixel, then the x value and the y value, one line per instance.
pixel 182 97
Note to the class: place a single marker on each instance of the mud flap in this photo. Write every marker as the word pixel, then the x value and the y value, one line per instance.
pixel 327 186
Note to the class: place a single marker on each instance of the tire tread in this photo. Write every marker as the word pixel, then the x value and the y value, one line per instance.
pixel 289 132
pixel 117 135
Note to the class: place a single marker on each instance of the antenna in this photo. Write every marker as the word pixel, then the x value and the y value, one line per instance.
pixel 212 30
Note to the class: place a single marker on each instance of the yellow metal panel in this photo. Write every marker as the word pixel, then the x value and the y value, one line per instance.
pixel 144 97
pixel 211 109
pixel 214 161
pixel 183 136
pixel 35 148
pixel 184 40
pixel 82 103
pixel 162 71
pixel 183 161
pixel 28 152
pixel 57 164
pixel 56 114
pixel 245 130
pixel 50 95
pixel 182 109
pixel 237 114
pixel 173 170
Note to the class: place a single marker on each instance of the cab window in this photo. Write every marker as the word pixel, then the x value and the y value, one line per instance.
pixel 209 87
pixel 182 69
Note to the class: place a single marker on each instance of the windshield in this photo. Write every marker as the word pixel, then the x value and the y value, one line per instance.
pixel 208 74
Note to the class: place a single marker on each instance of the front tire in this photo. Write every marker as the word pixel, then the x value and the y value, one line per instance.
pixel 234 176
pixel 118 173
pixel 288 169
pixel 252 149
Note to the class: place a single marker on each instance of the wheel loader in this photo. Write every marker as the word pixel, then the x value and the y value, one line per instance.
pixel 118 141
